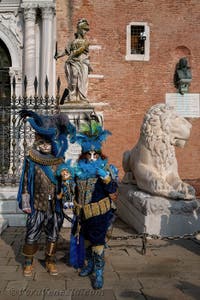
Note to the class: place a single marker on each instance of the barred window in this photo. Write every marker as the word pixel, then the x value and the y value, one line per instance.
pixel 137 40
pixel 137 46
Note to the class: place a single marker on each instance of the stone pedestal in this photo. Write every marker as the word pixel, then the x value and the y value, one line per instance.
pixel 3 224
pixel 10 214
pixel 76 112
pixel 157 215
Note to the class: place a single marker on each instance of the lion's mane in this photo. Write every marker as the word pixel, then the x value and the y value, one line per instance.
pixel 156 136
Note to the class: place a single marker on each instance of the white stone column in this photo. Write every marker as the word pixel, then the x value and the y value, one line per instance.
pixel 29 48
pixel 46 59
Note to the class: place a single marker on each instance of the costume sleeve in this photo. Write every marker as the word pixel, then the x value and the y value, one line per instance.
pixel 25 181
pixel 111 182
pixel 23 185
pixel 111 186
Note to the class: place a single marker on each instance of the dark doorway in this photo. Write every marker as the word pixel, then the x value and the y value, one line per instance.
pixel 5 94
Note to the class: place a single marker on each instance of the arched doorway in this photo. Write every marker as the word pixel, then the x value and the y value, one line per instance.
pixel 5 94
pixel 5 64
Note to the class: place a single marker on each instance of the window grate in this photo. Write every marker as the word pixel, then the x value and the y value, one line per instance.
pixel 137 43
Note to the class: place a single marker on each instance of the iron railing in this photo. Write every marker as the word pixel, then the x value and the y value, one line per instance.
pixel 16 138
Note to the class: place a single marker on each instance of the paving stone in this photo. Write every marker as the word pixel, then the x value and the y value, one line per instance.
pixel 3 284
pixel 124 264
pixel 7 275
pixel 163 294
pixel 169 270
pixel 128 294
pixel 4 253
pixel 8 269
pixel 5 296
pixel 191 290
pixel 27 297
pixel 149 282
pixel 90 294
pixel 17 285
pixel 51 284
pixel 111 279
pixel 15 261
pixel 127 283
pixel 79 283
pixel 25 294
pixel 4 261
pixel 45 276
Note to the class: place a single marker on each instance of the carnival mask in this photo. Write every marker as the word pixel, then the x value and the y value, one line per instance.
pixel 44 147
pixel 92 155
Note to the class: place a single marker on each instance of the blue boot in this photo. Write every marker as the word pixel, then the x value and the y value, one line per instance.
pixel 88 269
pixel 98 270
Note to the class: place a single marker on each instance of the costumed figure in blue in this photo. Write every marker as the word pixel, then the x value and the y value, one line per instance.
pixel 66 190
pixel 38 185
pixel 95 191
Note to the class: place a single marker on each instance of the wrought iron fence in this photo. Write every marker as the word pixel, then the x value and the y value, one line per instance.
pixel 15 138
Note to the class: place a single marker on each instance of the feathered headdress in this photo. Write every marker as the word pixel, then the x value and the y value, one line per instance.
pixel 91 135
pixel 54 128
pixel 65 166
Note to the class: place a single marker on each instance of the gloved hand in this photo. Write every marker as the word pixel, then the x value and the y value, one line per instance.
pixel 102 173
pixel 26 203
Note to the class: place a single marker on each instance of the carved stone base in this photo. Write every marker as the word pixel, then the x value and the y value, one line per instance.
pixel 76 112
pixel 160 216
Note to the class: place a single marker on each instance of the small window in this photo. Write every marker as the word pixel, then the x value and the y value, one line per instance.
pixel 137 46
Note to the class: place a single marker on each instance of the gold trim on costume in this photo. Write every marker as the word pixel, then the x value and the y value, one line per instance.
pixel 41 159
pixel 97 208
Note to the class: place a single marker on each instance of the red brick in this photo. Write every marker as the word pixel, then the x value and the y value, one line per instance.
pixel 173 34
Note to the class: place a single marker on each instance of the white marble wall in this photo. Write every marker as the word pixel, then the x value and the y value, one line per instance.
pixel 30 39
pixel 39 44
pixel 11 33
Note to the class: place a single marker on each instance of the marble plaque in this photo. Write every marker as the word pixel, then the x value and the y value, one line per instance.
pixel 187 105
pixel 73 152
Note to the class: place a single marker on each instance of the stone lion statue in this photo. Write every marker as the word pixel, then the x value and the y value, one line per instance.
pixel 152 163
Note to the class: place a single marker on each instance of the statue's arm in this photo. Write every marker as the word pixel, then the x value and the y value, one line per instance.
pixel 76 52
pixel 61 54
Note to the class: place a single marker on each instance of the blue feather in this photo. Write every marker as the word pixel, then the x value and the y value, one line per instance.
pixel 85 169
pixel 29 113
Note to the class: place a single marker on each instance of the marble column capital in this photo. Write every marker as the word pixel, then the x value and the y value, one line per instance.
pixel 47 12
pixel 30 14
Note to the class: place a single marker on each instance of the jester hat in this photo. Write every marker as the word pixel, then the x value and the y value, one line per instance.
pixel 53 129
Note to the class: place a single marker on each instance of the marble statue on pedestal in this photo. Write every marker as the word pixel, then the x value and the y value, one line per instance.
pixel 77 65
pixel 152 163
pixel 151 184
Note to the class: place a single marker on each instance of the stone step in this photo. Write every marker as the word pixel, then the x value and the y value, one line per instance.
pixel 3 224
pixel 9 208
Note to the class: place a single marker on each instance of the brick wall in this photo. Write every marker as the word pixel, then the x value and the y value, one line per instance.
pixel 131 87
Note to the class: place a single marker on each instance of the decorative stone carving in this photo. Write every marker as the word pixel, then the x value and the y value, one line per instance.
pixel 13 22
pixel 152 162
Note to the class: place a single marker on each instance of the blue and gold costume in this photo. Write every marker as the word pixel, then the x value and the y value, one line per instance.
pixel 95 190
pixel 93 193
pixel 37 194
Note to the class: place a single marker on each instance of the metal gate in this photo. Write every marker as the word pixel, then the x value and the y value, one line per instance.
pixel 17 138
